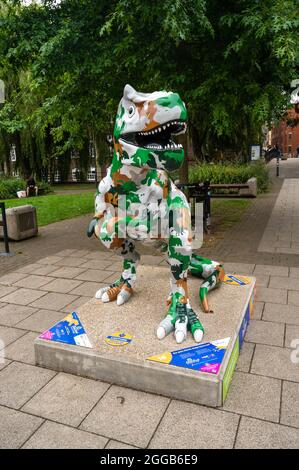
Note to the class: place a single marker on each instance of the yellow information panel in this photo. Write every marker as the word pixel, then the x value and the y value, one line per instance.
pixel 236 280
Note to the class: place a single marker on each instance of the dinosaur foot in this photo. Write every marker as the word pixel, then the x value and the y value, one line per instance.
pixel 121 293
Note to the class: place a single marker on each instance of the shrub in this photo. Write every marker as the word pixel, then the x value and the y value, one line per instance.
pixel 229 174
pixel 10 186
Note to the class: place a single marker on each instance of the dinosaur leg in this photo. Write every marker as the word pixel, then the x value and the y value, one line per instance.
pixel 211 271
pixel 179 257
pixel 122 289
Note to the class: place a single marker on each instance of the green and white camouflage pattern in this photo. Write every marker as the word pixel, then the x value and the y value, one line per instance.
pixel 137 192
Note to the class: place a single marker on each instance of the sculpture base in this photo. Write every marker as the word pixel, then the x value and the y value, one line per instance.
pixel 127 362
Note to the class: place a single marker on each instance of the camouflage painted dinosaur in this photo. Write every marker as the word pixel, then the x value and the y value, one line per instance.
pixel 136 191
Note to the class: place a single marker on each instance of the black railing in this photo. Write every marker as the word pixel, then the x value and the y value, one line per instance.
pixel 3 223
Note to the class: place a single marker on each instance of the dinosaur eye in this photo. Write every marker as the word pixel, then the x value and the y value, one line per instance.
pixel 131 111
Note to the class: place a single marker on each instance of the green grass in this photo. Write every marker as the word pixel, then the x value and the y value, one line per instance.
pixel 224 214
pixel 53 208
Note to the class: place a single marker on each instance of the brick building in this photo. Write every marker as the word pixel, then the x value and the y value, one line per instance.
pixel 286 134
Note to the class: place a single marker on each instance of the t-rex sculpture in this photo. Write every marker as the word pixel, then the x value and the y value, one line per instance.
pixel 137 191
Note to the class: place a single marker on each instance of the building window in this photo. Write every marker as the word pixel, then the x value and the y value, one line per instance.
pixel 290 135
pixel 91 174
pixel 289 148
pixel 15 173
pixel 57 176
pixel 75 174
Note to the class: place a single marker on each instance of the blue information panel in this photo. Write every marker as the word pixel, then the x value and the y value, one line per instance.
pixel 205 357
pixel 69 330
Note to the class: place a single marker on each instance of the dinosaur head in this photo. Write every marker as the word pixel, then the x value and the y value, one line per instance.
pixel 145 124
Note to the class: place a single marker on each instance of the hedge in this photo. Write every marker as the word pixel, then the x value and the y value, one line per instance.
pixel 229 174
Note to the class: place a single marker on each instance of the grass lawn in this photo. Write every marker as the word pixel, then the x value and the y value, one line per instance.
pixel 53 208
pixel 224 214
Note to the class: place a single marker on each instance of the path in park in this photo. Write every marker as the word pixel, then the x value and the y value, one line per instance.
pixel 61 269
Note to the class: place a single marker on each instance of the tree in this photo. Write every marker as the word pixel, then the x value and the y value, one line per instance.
pixel 66 64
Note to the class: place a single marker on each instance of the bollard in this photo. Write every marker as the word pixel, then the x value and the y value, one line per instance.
pixel 277 165
pixel 5 234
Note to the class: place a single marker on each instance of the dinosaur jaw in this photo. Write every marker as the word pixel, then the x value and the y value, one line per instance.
pixel 159 138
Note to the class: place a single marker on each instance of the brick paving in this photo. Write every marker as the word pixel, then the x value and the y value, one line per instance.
pixel 60 270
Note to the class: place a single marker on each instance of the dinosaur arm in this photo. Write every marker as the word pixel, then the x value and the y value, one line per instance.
pixel 100 202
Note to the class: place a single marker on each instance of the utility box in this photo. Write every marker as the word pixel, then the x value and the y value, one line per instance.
pixel 21 222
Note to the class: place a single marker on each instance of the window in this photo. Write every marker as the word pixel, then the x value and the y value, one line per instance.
pixel 75 174
pixel 57 176
pixel 91 175
pixel 15 173
pixel 290 135
pixel 289 148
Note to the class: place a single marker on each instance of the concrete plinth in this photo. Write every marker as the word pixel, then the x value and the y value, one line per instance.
pixel 128 365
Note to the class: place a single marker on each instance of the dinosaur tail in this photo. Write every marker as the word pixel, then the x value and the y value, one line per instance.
pixel 213 274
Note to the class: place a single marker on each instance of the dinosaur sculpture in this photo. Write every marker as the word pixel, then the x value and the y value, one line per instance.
pixel 136 191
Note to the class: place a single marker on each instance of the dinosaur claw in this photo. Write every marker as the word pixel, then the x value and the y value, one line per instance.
pixel 198 335
pixel 161 333
pixel 105 297
pixel 179 336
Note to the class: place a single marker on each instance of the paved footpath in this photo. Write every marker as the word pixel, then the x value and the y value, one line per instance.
pixel 60 270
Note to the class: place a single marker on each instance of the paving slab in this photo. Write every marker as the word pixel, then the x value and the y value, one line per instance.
pixel 118 445
pixel 281 313
pixel 265 333
pixel 22 349
pixel 75 304
pixel 53 301
pixel 290 404
pixel 66 399
pixel 239 268
pixel 6 290
pixel 37 269
pixel 62 286
pixel 87 288
pixel 189 426
pixel 245 357
pixel 3 362
pixel 258 310
pixel 271 270
pixel 281 282
pixel 257 434
pixel 254 396
pixel 67 252
pixel 70 261
pixel 10 278
pixel 291 336
pixel 138 415
pixel 67 272
pixel 12 314
pixel 95 275
pixel 99 264
pixel 18 382
pixel 32 281
pixel 49 260
pixel 265 294
pixel 23 296
pixel 128 365
pixel 294 272
pixel 16 428
pixel 40 321
pixel 293 297
pixel 9 335
pixel 58 436
pixel 273 361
